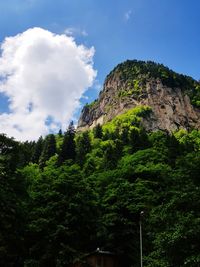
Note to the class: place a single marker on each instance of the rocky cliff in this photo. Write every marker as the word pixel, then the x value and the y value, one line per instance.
pixel 174 98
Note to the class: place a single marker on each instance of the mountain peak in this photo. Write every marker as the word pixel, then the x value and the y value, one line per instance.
pixel 173 98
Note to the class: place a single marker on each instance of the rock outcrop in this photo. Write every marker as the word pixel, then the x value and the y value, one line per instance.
pixel 128 85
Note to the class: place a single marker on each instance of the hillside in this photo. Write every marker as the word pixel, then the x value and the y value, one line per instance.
pixel 173 98
pixel 70 193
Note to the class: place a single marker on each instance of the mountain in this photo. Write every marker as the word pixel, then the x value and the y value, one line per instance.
pixel 68 194
pixel 174 99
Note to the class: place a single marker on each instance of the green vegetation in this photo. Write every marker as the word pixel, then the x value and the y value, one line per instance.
pixel 135 74
pixel 129 119
pixel 134 88
pixel 92 104
pixel 84 191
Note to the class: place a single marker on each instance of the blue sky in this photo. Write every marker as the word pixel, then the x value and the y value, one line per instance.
pixel 165 31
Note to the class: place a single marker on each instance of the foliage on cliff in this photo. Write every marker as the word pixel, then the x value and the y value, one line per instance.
pixel 54 213
pixel 136 73
pixel 128 119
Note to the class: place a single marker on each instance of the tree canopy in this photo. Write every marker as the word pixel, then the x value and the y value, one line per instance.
pixel 80 191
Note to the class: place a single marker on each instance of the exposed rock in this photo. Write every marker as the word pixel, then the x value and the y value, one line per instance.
pixel 171 107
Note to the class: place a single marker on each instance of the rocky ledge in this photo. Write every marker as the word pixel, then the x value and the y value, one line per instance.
pixel 173 97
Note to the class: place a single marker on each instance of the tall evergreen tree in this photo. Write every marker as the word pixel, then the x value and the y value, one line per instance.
pixel 48 151
pixel 134 139
pixel 97 131
pixel 12 195
pixel 60 132
pixel 38 150
pixel 68 148
pixel 83 146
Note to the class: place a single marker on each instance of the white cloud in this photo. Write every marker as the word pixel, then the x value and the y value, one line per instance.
pixel 72 31
pixel 43 75
pixel 127 15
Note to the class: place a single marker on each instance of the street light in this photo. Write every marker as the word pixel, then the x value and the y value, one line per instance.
pixel 141 259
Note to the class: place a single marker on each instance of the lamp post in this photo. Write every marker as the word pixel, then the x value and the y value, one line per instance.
pixel 141 257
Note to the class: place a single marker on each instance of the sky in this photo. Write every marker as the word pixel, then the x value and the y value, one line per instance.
pixel 55 55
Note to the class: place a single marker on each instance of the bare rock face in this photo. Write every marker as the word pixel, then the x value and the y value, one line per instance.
pixel 171 109
pixel 171 106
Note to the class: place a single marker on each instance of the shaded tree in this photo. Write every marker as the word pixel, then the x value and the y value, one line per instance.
pixel 68 147
pixel 37 150
pixel 12 196
pixel 97 131
pixel 60 132
pixel 83 146
pixel 48 151
pixel 61 220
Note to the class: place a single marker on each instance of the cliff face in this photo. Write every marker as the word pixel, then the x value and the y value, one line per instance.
pixel 130 85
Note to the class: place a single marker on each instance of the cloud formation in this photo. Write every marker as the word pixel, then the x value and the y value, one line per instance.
pixel 43 75
pixel 127 15
pixel 72 31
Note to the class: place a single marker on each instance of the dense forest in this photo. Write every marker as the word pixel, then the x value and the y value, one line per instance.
pixel 69 193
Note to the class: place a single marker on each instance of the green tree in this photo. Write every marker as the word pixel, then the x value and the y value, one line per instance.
pixel 112 152
pixel 97 131
pixel 48 151
pixel 12 196
pixel 176 241
pixel 83 147
pixel 134 139
pixel 68 147
pixel 38 150
pixel 62 214
pixel 60 132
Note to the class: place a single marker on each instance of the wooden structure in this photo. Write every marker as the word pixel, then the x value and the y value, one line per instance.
pixel 98 258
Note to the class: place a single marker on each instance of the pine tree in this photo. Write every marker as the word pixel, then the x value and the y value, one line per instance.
pixel 97 131
pixel 60 132
pixel 83 146
pixel 12 196
pixel 48 151
pixel 38 150
pixel 68 148
pixel 134 139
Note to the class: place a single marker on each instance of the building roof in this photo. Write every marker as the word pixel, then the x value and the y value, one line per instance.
pixel 102 252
